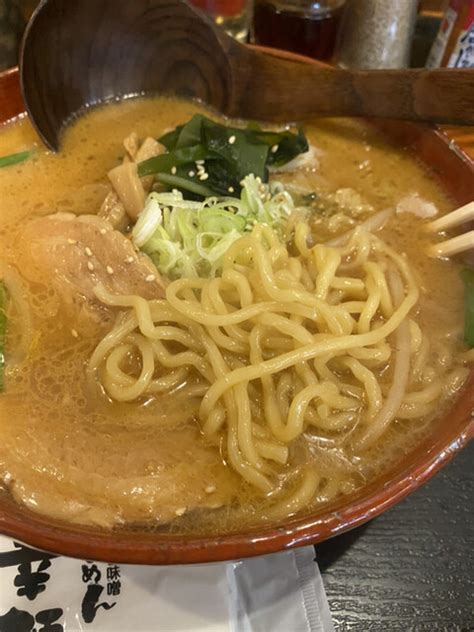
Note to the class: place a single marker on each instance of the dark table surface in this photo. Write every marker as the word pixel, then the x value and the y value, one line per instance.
pixel 411 568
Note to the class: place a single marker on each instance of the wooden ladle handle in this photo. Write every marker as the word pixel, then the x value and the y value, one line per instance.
pixel 272 87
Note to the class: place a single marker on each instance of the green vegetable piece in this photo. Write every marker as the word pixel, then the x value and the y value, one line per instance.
pixel 243 156
pixel 165 162
pixel 14 159
pixel 170 139
pixel 191 133
pixel 288 147
pixel 229 154
pixel 467 276
pixel 184 184
pixel 3 331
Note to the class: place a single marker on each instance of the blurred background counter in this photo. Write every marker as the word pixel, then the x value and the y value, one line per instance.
pixel 355 33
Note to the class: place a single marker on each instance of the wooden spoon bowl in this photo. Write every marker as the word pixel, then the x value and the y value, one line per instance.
pixel 455 171
pixel 80 52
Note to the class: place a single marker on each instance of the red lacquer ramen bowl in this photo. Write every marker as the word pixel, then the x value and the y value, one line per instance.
pixel 455 171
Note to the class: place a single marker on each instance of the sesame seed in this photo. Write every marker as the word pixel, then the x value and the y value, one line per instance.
pixel 173 170
pixel 71 241
pixel 231 189
pixel 274 149
pixel 102 231
pixel 200 162
pixel 180 511
pixel 74 333
pixel 110 270
pixel 150 278
pixel 191 174
pixel 232 140
pixel 200 169
pixel 129 260
pixel 90 266
pixel 204 176
pixel 88 252
pixel 210 489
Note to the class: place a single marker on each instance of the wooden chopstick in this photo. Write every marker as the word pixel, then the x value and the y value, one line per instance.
pixel 452 246
pixel 459 216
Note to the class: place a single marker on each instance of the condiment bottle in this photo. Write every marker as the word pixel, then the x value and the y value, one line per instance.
pixel 232 15
pixel 377 33
pixel 454 44
pixel 309 28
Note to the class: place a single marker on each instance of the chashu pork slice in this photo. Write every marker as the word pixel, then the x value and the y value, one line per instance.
pixel 106 484
pixel 74 254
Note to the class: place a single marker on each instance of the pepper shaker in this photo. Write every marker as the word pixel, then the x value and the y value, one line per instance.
pixel 377 33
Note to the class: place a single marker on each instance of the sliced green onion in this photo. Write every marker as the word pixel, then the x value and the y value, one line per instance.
pixel 14 159
pixel 190 238
pixel 150 218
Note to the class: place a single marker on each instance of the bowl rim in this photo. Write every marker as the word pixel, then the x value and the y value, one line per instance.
pixel 131 547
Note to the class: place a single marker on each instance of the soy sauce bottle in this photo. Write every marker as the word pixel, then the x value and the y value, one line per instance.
pixel 454 44
pixel 308 28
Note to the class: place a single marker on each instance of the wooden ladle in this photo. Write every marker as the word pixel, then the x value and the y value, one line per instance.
pixel 80 52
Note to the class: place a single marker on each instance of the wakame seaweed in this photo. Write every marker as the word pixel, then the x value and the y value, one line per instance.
pixel 14 159
pixel 207 156
pixel 467 276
